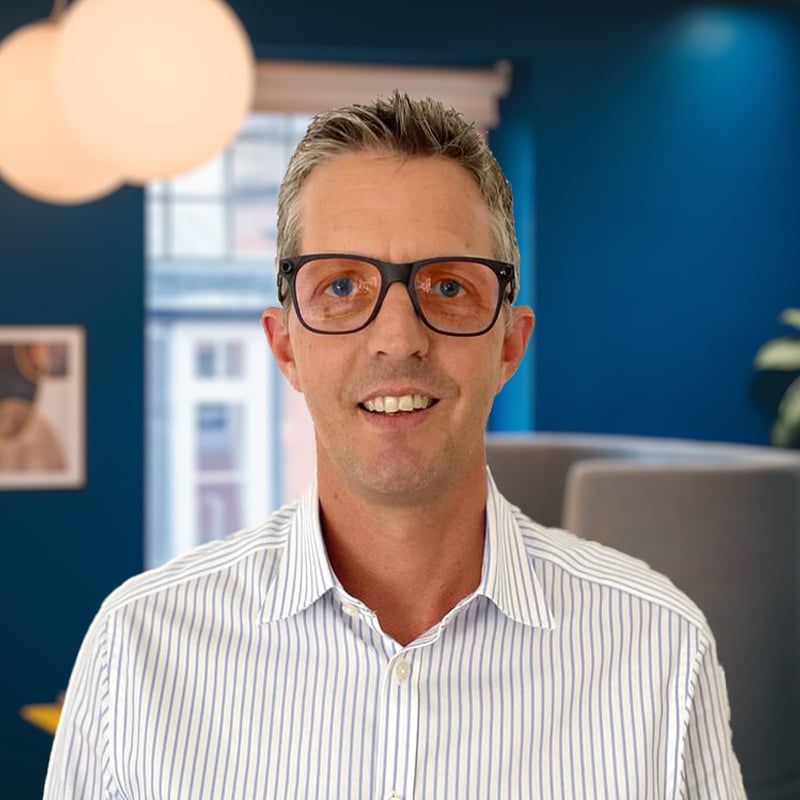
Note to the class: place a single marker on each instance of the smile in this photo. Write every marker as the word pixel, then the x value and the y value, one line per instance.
pixel 392 404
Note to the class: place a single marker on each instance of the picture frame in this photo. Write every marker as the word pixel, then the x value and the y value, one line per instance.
pixel 42 407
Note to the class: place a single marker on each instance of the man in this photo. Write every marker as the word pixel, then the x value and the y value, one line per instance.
pixel 401 631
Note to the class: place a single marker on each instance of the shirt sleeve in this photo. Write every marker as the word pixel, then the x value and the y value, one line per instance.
pixel 80 758
pixel 711 769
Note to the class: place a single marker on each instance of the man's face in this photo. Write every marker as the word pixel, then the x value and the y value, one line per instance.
pixel 398 210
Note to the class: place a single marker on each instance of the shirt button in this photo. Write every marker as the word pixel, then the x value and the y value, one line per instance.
pixel 401 671
pixel 349 609
pixel 394 796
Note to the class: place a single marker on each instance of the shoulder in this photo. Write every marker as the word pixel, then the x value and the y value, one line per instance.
pixel 256 548
pixel 589 565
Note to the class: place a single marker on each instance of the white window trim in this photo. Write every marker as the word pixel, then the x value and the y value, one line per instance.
pixel 310 87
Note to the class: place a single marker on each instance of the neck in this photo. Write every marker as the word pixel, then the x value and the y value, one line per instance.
pixel 409 563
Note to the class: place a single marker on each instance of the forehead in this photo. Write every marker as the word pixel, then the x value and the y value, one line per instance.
pixel 394 207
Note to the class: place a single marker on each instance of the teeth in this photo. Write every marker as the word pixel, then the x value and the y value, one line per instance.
pixel 390 404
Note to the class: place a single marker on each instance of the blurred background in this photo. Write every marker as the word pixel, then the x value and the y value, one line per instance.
pixel 655 159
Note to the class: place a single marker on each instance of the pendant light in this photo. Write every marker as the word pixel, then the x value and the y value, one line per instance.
pixel 112 91
pixel 153 87
pixel 39 155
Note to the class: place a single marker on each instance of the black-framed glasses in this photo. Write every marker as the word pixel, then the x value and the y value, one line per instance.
pixel 337 293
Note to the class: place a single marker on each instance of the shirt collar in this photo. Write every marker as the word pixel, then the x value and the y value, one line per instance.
pixel 508 579
pixel 304 573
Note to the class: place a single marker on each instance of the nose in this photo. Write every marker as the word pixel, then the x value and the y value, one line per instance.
pixel 397 331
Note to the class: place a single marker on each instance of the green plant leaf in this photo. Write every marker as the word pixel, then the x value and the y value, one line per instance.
pixel 789 409
pixel 781 435
pixel 781 353
pixel 791 316
pixel 786 429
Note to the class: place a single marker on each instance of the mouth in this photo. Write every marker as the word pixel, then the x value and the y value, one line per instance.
pixel 398 404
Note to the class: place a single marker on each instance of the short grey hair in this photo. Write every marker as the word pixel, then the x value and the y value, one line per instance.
pixel 406 127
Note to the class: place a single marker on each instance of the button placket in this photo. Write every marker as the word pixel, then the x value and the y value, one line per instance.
pixel 399 729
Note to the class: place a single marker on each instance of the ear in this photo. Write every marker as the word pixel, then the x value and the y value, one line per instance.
pixel 515 341
pixel 274 323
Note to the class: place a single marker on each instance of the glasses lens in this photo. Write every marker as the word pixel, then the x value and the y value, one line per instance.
pixel 458 296
pixel 336 295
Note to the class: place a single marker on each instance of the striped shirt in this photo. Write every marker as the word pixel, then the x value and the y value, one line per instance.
pixel 244 670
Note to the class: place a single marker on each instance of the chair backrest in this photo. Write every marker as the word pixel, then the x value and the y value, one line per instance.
pixel 532 472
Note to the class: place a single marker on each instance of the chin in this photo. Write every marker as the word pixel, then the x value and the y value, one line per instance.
pixel 404 482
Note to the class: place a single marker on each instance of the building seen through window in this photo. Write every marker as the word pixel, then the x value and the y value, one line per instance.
pixel 227 439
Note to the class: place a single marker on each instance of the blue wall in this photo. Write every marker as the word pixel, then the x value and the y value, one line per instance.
pixel 64 550
pixel 668 201
pixel 659 200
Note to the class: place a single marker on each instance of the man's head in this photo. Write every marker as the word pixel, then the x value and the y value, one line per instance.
pixel 404 127
pixel 399 399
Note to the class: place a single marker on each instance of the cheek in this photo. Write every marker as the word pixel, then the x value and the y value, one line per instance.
pixel 318 367
pixel 305 378
pixel 488 371
pixel 480 382
pixel 305 352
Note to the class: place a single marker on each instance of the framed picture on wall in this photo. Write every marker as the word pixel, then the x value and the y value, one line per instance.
pixel 42 407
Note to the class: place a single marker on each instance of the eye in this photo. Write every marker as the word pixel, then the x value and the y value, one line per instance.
pixel 341 287
pixel 447 288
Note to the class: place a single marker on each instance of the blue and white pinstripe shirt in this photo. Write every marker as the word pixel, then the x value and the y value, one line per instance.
pixel 244 670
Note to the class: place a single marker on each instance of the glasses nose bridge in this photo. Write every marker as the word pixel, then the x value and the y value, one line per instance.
pixel 396 273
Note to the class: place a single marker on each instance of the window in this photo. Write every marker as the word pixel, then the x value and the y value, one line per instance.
pixel 218 412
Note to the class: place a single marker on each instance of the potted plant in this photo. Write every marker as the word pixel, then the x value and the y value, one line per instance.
pixel 783 354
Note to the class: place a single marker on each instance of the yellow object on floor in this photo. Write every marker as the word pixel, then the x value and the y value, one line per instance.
pixel 42 715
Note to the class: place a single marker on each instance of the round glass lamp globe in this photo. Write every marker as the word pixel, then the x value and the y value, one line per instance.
pixel 39 156
pixel 153 87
